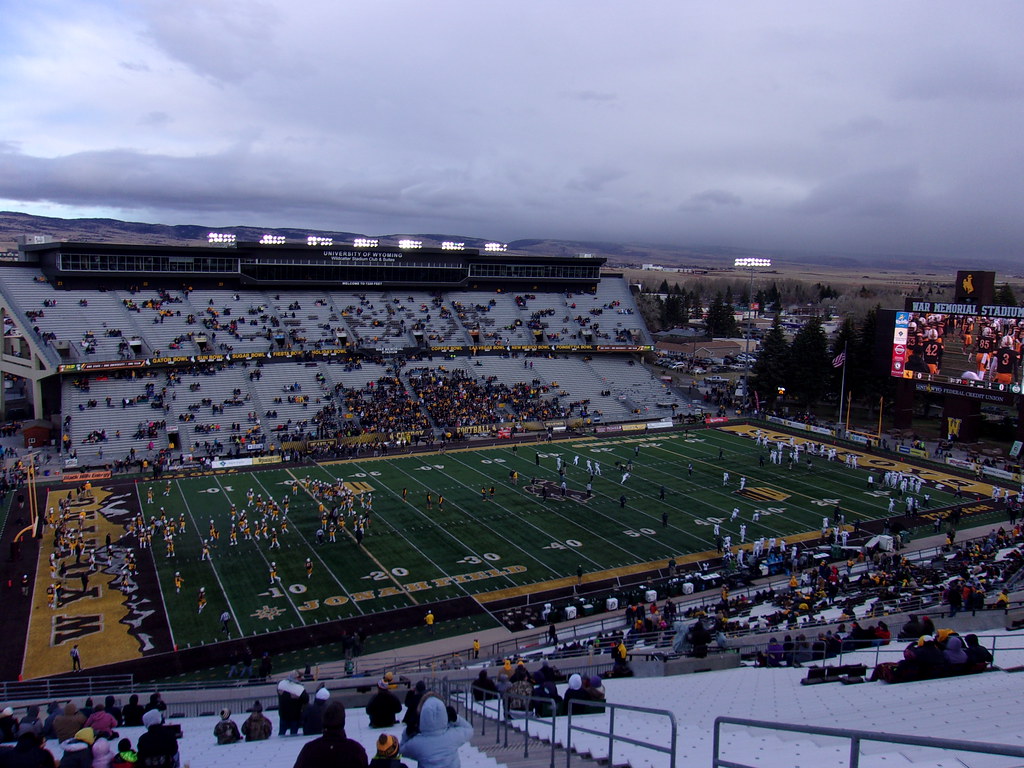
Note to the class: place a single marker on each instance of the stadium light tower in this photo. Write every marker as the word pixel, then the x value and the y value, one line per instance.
pixel 752 264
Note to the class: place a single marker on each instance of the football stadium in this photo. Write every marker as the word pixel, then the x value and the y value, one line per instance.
pixel 359 460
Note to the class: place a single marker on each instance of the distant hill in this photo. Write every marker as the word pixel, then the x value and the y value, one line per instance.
pixel 622 255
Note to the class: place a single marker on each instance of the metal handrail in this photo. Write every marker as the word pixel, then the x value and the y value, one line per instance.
pixel 502 713
pixel 609 731
pixel 49 689
pixel 855 738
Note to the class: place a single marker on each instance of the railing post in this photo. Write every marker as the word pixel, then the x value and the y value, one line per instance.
pixel 611 738
pixel 854 751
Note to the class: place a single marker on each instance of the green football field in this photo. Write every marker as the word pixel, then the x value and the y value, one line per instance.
pixel 412 555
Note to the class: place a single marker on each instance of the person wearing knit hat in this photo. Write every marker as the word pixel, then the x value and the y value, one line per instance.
pixel 257 727
pixel 387 753
pixel 313 714
pixel 152 717
pixel 102 756
pixel 226 731
pixel 158 745
pixel 334 747
pixel 383 707
pixel 78 750
pixel 585 703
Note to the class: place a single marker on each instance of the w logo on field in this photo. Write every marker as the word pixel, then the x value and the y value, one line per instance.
pixel 762 493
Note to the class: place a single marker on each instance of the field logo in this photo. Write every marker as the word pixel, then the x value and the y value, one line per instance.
pixel 762 493
pixel 358 487
pixel 66 628
pixel 953 426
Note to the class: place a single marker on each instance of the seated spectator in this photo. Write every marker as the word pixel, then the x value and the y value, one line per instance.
pixel 774 652
pixel 546 689
pixel 484 688
pixel 976 653
pixel 8 725
pixel 383 707
pixel 387 753
pixel 954 651
pixel 31 723
pixel 156 702
pixel 412 707
pixel 102 722
pixel 576 692
pixel 158 746
pixel 882 634
pixel 131 714
pixel 313 715
pixel 912 629
pixel 126 757
pixel 29 751
pixel 53 711
pixel 78 749
pixel 334 747
pixel 226 731
pixel 440 736
pixel 67 724
pixel 257 727
pixel 595 688
pixel 102 757
pixel 110 704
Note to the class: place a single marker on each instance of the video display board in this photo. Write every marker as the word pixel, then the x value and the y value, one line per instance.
pixel 960 344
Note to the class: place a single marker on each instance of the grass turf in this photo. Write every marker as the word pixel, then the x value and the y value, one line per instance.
pixel 415 556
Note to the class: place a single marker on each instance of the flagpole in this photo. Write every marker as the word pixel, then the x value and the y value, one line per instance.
pixel 842 387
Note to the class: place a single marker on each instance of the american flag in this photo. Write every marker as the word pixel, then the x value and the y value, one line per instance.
pixel 839 360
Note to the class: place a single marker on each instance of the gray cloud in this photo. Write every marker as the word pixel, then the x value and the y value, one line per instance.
pixel 860 127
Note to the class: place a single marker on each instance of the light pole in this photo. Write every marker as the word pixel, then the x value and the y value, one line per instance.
pixel 751 264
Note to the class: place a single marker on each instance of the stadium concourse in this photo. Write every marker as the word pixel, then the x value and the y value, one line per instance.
pixel 977 708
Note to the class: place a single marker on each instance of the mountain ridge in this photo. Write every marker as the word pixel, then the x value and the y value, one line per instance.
pixel 105 230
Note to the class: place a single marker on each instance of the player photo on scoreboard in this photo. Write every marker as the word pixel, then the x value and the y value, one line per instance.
pixel 965 347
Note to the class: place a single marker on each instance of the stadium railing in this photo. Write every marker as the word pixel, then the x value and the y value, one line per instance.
pixel 496 708
pixel 894 650
pixel 49 689
pixel 855 738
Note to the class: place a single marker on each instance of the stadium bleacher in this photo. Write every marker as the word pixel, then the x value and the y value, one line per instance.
pixel 119 415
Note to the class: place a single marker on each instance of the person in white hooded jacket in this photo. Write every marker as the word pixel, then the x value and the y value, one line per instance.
pixel 437 743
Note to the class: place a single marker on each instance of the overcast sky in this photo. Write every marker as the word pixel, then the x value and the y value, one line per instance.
pixel 854 126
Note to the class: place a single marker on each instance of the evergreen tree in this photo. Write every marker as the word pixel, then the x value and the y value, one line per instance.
pixel 871 386
pixel 1004 296
pixel 721 321
pixel 810 369
pixel 769 370
pixel 672 313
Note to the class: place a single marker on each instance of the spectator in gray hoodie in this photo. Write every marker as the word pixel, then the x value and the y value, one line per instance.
pixel 441 733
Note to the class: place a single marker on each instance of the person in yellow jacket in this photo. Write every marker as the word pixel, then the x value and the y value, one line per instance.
pixel 429 619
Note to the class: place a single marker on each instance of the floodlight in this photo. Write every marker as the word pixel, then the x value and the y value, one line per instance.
pixel 410 243
pixel 365 242
pixel 751 262
pixel 494 247
pixel 272 240
pixel 448 245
